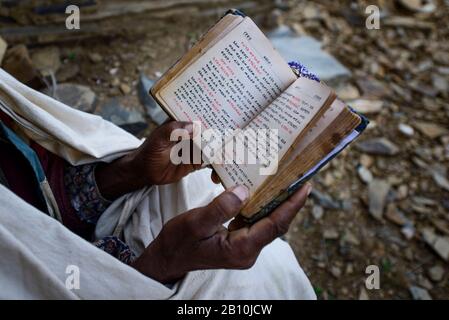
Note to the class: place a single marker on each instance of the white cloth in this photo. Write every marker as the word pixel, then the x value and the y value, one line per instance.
pixel 35 250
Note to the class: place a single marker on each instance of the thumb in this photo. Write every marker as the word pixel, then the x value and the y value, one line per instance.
pixel 172 132
pixel 223 208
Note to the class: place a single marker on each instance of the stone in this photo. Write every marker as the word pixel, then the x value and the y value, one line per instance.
pixel 330 234
pixel 366 161
pixel 430 130
pixel 364 174
pixel 406 130
pixel 440 83
pixel 317 212
pixel 17 62
pixel 439 244
pixel 95 57
pixel 113 71
pixel 427 6
pixel 112 110
pixel 125 89
pixel 348 92
pixel 74 95
pixel 3 47
pixel 336 272
pixel 307 50
pixel 378 146
pixel 372 88
pixel 153 110
pixel 325 200
pixel 408 231
pixel 349 237
pixel 394 215
pixel 365 106
pixel 439 176
pixel 419 293
pixel 47 60
pixel 377 195
pixel 67 72
pixel 436 273
pixel 363 295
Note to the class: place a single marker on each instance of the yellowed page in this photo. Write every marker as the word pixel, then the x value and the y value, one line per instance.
pixel 232 82
pixel 289 115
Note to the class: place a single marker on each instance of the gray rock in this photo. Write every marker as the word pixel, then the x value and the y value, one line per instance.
pixel 427 6
pixel 377 195
pixel 438 173
pixel 113 111
pixel 378 146
pixel 336 272
pixel 330 234
pixel 419 293
pixel 74 95
pixel 406 130
pixel 436 273
pixel 95 57
pixel 307 51
pixel 430 129
pixel 317 212
pixel 439 244
pixel 47 60
pixel 325 201
pixel 154 111
pixel 364 174
pixel 365 106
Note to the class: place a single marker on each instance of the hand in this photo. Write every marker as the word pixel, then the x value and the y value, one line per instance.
pixel 198 240
pixel 152 159
pixel 150 164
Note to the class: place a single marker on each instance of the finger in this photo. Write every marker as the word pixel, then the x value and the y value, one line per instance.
pixel 221 209
pixel 215 178
pixel 237 223
pixel 166 133
pixel 278 222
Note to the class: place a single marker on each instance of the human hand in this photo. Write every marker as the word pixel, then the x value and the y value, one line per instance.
pixel 150 164
pixel 198 240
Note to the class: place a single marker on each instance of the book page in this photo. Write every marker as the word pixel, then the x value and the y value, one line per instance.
pixel 322 123
pixel 288 116
pixel 231 82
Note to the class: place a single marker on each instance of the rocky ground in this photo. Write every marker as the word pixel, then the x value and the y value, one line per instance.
pixel 385 200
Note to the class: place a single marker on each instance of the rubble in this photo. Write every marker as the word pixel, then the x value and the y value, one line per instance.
pixel 397 75
pixel 74 95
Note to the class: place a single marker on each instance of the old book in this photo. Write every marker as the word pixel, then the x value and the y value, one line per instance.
pixel 234 82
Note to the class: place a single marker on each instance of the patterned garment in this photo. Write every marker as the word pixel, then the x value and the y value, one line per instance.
pixel 89 205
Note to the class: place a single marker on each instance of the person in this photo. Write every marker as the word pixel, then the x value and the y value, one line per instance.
pixel 103 189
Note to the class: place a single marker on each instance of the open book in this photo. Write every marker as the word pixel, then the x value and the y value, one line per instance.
pixel 235 82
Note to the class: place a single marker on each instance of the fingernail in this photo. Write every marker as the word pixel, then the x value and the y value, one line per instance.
pixel 309 188
pixel 241 192
pixel 189 128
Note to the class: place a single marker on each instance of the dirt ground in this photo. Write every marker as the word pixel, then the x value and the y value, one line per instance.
pixel 404 64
